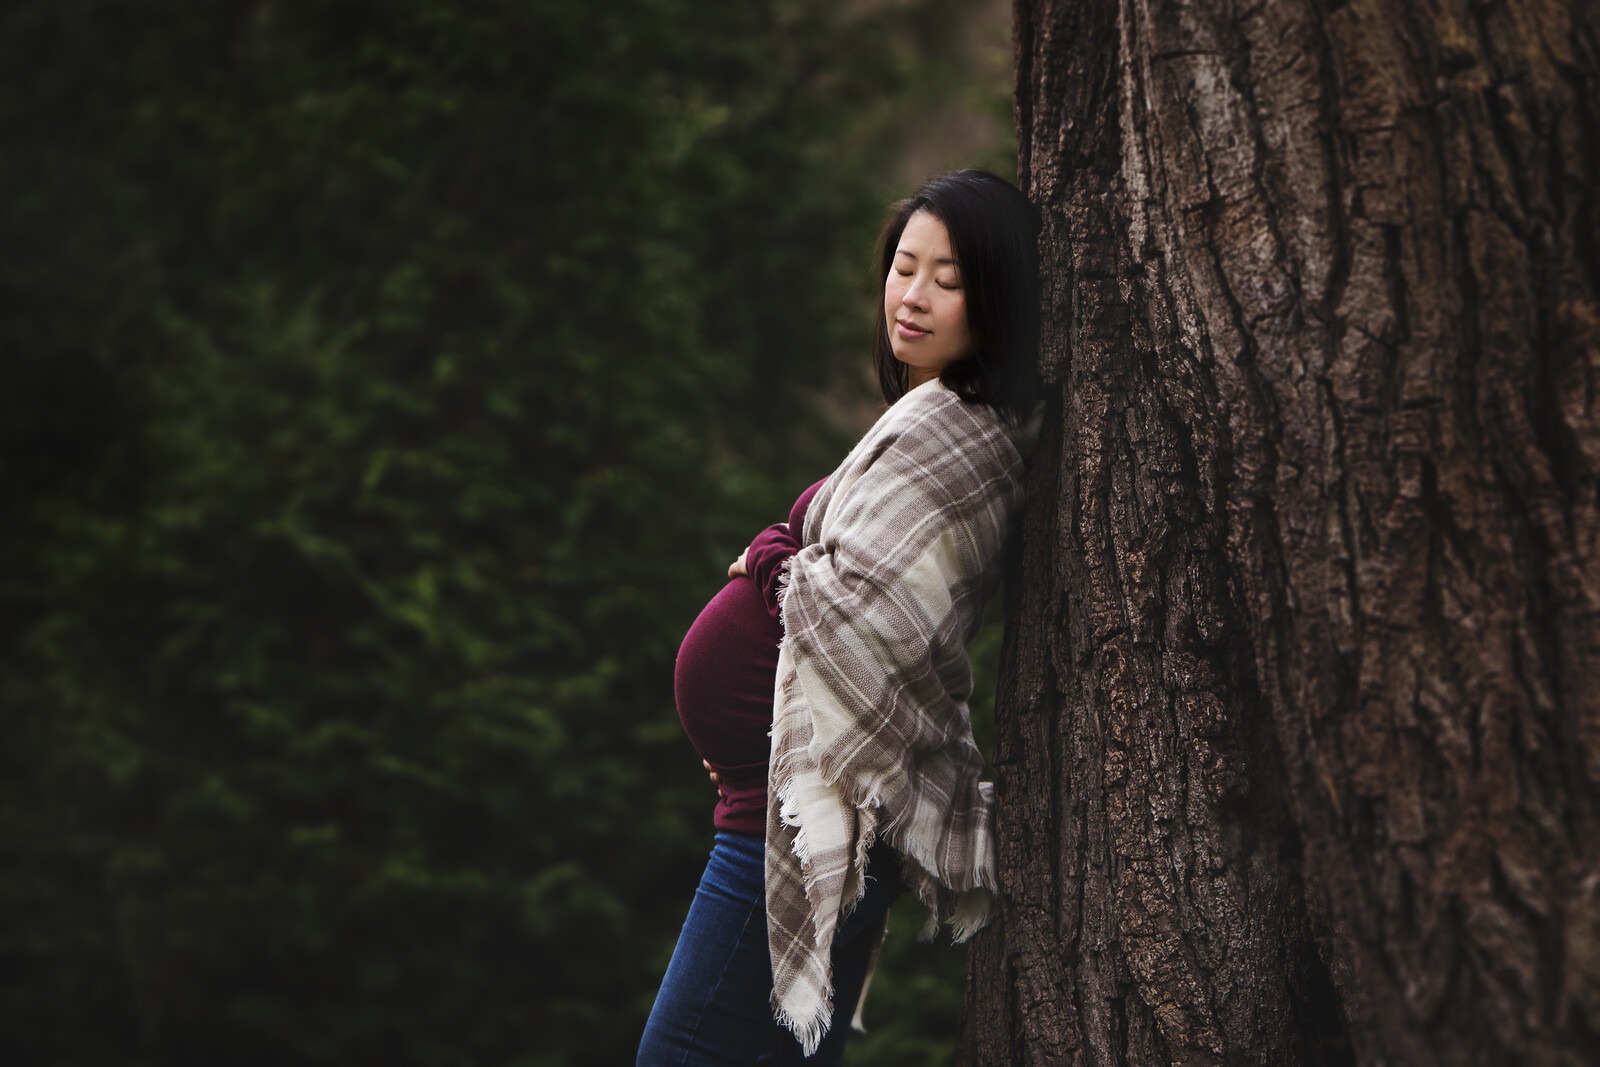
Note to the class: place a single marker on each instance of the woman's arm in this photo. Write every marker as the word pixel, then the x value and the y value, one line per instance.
pixel 764 559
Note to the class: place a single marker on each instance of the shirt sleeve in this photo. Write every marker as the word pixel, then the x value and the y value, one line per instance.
pixel 773 547
pixel 764 561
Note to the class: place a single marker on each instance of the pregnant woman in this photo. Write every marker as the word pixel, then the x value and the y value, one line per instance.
pixel 869 781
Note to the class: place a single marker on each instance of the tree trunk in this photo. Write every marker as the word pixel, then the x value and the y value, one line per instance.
pixel 1299 726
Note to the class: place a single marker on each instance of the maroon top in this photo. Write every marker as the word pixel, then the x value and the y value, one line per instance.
pixel 727 666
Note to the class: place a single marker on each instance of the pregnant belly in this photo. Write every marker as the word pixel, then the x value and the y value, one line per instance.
pixel 723 681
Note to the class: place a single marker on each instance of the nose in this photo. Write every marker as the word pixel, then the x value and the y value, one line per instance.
pixel 915 295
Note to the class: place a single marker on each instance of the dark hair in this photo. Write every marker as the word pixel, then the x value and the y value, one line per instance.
pixel 994 234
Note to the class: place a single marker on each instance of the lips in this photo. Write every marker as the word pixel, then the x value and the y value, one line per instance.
pixel 910 330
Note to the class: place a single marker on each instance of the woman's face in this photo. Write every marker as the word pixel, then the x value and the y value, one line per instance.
pixel 923 303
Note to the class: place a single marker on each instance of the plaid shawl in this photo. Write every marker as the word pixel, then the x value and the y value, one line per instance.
pixel 870 735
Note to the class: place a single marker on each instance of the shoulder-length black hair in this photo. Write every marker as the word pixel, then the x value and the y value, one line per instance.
pixel 994 233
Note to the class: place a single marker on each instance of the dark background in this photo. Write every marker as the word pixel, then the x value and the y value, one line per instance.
pixel 386 388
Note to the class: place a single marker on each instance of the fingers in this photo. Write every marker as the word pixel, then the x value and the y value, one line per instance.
pixel 713 774
pixel 737 568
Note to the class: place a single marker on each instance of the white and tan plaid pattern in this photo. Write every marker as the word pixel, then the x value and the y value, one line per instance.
pixel 870 734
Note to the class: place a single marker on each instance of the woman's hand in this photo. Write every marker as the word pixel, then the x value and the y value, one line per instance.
pixel 735 570
pixel 714 779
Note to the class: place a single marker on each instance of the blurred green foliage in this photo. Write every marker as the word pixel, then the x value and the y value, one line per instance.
pixel 387 387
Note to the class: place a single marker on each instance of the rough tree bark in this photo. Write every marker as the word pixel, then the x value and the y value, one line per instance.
pixel 1300 719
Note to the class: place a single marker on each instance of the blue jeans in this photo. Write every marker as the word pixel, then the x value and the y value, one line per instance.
pixel 715 1006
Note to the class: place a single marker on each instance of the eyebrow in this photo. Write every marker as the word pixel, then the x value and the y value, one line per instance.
pixel 940 261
